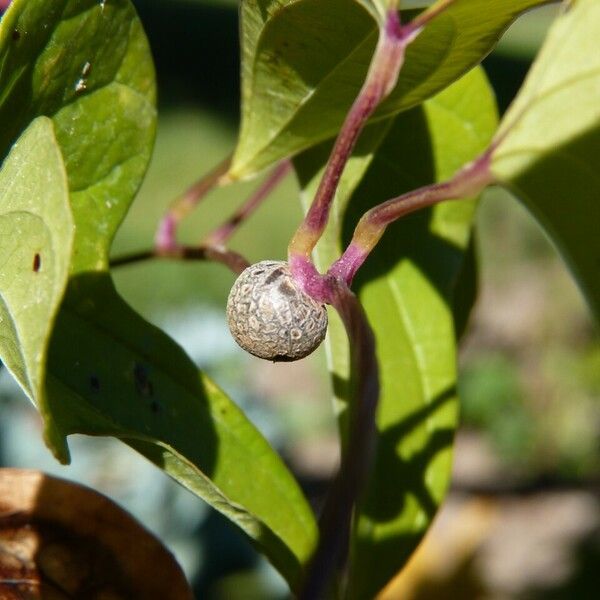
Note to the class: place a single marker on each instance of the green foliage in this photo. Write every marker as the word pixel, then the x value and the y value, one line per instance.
pixel 77 109
pixel 301 70
pixel 109 372
pixel 112 373
pixel 36 233
pixel 406 288
pixel 86 66
pixel 548 153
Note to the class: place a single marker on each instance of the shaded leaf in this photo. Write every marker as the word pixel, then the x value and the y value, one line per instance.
pixel 35 249
pixel 549 156
pixel 304 62
pixel 406 288
pixel 112 373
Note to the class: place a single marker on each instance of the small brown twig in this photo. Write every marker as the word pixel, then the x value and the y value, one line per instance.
pixel 234 261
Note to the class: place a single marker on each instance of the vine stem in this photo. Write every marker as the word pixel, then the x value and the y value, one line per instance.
pixel 335 521
pixel 222 233
pixel 381 79
pixel 165 240
pixel 468 181
pixel 232 260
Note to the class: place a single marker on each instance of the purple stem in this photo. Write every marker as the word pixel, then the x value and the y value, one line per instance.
pixel 380 81
pixel 335 521
pixel 220 235
pixel 469 181
pixel 165 240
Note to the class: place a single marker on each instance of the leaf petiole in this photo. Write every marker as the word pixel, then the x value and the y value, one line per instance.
pixel 380 81
pixel 222 233
pixel 468 181
pixel 165 240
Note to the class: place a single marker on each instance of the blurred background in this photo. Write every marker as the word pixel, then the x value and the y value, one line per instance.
pixel 523 517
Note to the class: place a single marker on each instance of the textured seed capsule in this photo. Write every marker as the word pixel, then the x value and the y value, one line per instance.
pixel 270 317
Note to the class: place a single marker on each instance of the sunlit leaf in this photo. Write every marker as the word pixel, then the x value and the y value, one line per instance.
pixel 87 66
pixel 36 237
pixel 550 155
pixel 304 62
pixel 112 373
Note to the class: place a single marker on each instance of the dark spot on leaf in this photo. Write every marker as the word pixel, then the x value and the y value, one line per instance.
pixel 94 383
pixel 143 385
pixel 37 262
pixel 274 276
pixel 140 373
pixel 16 35
pixel 154 406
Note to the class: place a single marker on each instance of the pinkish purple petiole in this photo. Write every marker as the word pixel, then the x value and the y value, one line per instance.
pixel 380 81
pixel 222 234
pixel 467 182
pixel 165 239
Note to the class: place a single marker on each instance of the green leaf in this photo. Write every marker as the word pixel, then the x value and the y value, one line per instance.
pixel 304 62
pixel 549 153
pixel 35 249
pixel 109 372
pixel 86 65
pixel 406 288
pixel 465 290
pixel 112 373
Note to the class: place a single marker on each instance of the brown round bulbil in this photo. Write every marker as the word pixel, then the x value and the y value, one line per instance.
pixel 271 317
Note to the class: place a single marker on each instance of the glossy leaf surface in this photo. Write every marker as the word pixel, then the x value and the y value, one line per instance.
pixel 304 62
pixel 87 66
pixel 550 155
pixel 36 236
pixel 406 288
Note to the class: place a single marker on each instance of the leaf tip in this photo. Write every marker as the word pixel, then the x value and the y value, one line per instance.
pixel 56 442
